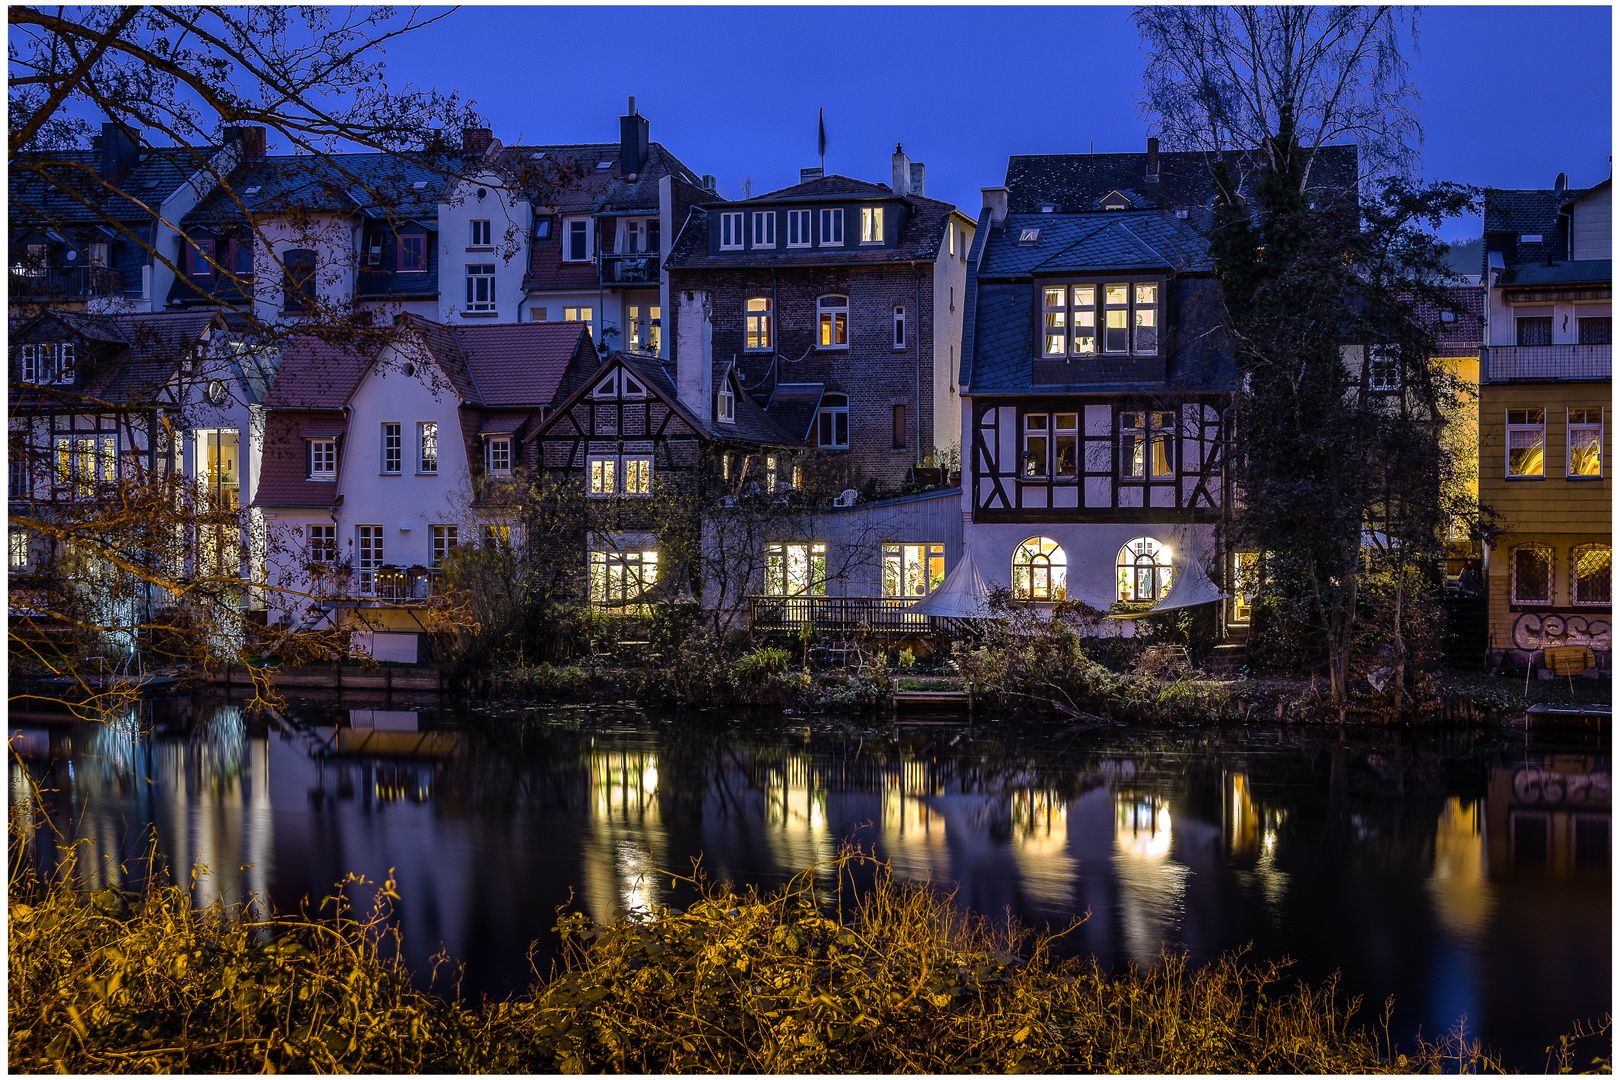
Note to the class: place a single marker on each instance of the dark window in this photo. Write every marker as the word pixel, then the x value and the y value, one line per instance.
pixel 899 427
pixel 202 254
pixel 242 257
pixel 298 279
pixel 1532 574
pixel 1591 842
pixel 1536 331
pixel 578 240
pixel 412 252
pixel 542 229
pixel 653 235
pixel 1593 331
pixel 832 423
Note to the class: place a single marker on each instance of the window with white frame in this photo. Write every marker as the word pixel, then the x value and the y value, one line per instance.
pixel 1383 368
pixel 770 474
pixel 1585 444
pixel 480 234
pixel 1065 445
pixel 1147 444
pixel 1532 574
pixel 796 569
pixel 499 455
pixel 1526 443
pixel 871 224
pixel 764 228
pixel 368 542
pixel 726 406
pixel 18 549
pixel 912 569
pixel 833 322
pixel 832 422
pixel 899 327
pixel 578 314
pixel 577 240
pixel 619 383
pixel 1129 313
pixel 427 444
pixel 1039 570
pixel 1037 444
pixel 832 226
pixel 757 323
pixel 444 542
pixel 798 228
pixel 480 286
pixel 1591 577
pixel 601 476
pixel 617 577
pixel 731 231
pixel 321 547
pixel 85 462
pixel 44 363
pixel 1144 571
pixel 392 448
pixel 322 459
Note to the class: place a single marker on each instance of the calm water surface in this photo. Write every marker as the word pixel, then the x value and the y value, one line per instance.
pixel 1465 873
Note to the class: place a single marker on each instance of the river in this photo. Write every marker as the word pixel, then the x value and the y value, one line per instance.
pixel 1465 872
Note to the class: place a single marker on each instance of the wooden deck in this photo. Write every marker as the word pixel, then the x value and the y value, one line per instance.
pixel 859 615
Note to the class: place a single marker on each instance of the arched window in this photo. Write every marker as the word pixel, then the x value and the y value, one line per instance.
pixel 1592 567
pixel 1144 571
pixel 1039 570
pixel 757 323
pixel 1532 574
pixel 832 422
pixel 832 313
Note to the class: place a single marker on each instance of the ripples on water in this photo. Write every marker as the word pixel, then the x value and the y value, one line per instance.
pixel 1466 873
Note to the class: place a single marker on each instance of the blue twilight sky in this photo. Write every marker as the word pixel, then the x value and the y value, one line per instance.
pixel 1511 96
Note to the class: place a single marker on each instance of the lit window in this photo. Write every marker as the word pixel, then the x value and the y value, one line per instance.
pixel 618 577
pixel 1130 319
pixel 577 314
pixel 1084 301
pixel 1592 575
pixel 637 473
pixel 427 438
pixel 1055 318
pixel 757 323
pixel 500 457
pixel 1065 445
pixel 832 422
pixel 85 462
pixel 391 448
pixel 444 542
pixel 1532 574
pixel 871 224
pixel 764 228
pixel 1147 444
pixel 601 476
pixel 412 253
pixel 481 287
pixel 1037 444
pixel 1116 318
pixel 726 406
pixel 369 542
pixel 323 459
pixel 1585 442
pixel 834 322
pixel 19 549
pixel 731 231
pixel 579 240
pixel 912 569
pixel 832 227
pixel 899 327
pixel 497 538
pixel 798 226
pixel 1039 570
pixel 1526 442
pixel 796 569
pixel 1144 571
pixel 480 234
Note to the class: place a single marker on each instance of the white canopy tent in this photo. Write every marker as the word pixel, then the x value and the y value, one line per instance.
pixel 962 595
pixel 1189 588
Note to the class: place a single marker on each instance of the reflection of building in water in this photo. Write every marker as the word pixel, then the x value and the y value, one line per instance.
pixel 913 831
pixel 1040 840
pixel 1457 886
pixel 628 841
pixel 796 828
pixel 1549 815
pixel 1251 833
pixel 1153 886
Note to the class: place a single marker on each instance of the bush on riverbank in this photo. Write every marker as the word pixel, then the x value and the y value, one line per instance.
pixel 795 981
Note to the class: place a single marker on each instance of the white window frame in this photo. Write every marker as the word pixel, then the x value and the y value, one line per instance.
pixel 726 406
pixel 498 536
pixel 799 226
pixel 569 232
pixel 320 449
pixel 786 561
pixel 45 363
pixel 368 556
pixel 899 326
pixel 731 231
pixel 393 448
pixel 427 448
pixel 17 546
pixel 764 229
pixel 899 557
pixel 1037 446
pixel 602 476
pixel 479 233
pixel 1383 368
pixel 611 574
pixel 827 321
pixel 321 544
pixel 444 542
pixel 498 455
pixel 832 226
pixel 580 314
pixel 756 319
pixel 480 286
pixel 1584 425
pixel 832 421
pixel 871 224
pixel 1525 427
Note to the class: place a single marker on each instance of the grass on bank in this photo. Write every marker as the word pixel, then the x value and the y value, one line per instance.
pixel 899 981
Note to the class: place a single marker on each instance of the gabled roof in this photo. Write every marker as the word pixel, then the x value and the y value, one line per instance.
pixel 1536 212
pixel 504 364
pixel 144 349
pixel 1116 240
pixel 566 176
pixel 41 185
pixel 376 185
pixel 319 374
pixel 823 186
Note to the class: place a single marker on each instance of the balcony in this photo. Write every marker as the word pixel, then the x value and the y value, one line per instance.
pixel 630 268
pixel 1503 363
pixel 844 615
pixel 33 282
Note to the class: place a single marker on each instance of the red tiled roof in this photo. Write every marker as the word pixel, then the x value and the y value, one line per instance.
pixel 505 364
pixel 283 471
pixel 318 374
pixel 323 427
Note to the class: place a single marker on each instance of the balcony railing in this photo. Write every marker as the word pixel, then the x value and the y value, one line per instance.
pixel 630 268
pixel 32 281
pixel 1504 362
pixel 844 614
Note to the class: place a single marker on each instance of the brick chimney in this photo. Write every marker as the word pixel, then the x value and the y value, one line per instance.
pixel 119 151
pixel 476 140
pixel 633 130
pixel 900 177
pixel 1153 161
pixel 250 138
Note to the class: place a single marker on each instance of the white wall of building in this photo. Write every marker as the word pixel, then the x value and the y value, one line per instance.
pixel 511 224
pixel 334 239
pixel 950 285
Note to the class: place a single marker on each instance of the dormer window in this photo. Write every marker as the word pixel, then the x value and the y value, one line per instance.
pixel 798 228
pixel 1048 208
pixel 832 227
pixel 765 228
pixel 45 364
pixel 412 253
pixel 871 224
pixel 1069 319
pixel 731 231
pixel 726 406
pixel 1115 201
pixel 202 258
pixel 604 165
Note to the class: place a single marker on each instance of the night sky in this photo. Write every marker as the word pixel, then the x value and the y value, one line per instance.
pixel 1511 96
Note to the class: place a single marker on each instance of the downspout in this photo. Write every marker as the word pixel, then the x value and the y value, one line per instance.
pixel 601 302
pixel 916 354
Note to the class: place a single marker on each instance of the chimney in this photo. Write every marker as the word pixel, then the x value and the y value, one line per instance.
pixel 694 354
pixel 476 140
pixel 1153 161
pixel 119 151
pixel 917 177
pixel 807 175
pixel 900 178
pixel 251 139
pixel 995 200
pixel 632 142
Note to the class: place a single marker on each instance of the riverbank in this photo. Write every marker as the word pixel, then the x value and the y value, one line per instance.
pixel 799 980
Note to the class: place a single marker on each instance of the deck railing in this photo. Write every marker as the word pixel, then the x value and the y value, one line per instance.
pixel 1504 362
pixel 844 614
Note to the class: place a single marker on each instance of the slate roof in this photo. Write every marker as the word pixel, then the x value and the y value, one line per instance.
pixel 920 238
pixel 376 185
pixel 823 186
pixel 40 185
pixel 566 177
pixel 794 407
pixel 1108 240
pixel 144 351
pixel 1535 212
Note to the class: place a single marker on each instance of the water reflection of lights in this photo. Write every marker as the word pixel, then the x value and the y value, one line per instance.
pixel 624 783
pixel 1152 885
pixel 1040 831
pixel 796 812
pixel 1143 829
pixel 1458 886
pixel 628 836
pixel 1253 829
pixel 913 831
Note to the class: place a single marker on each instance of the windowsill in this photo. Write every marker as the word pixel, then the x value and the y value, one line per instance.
pixel 733 249
pixel 499 475
pixel 435 473
pixel 1524 478
pixel 322 479
pixel 902 348
pixel 799 247
pixel 480 314
pixel 395 473
pixel 832 348
pixel 1583 479
pixel 580 262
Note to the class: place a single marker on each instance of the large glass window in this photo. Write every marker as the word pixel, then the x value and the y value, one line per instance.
pixel 219 474
pixel 871 224
pixel 832 422
pixel 1039 570
pixel 621 576
pixel 757 323
pixel 1586 442
pixel 481 287
pixel 1130 319
pixel 369 545
pixel 85 462
pixel 444 542
pixel 1144 571
pixel 832 227
pixel 912 569
pixel 1532 574
pixel 833 317
pixel 796 569
pixel 1526 442
pixel 1535 330
pixel 1592 576
pixel 1146 444
pixel 391 448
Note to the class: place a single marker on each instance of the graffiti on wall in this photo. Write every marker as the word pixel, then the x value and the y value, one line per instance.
pixel 1531 631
